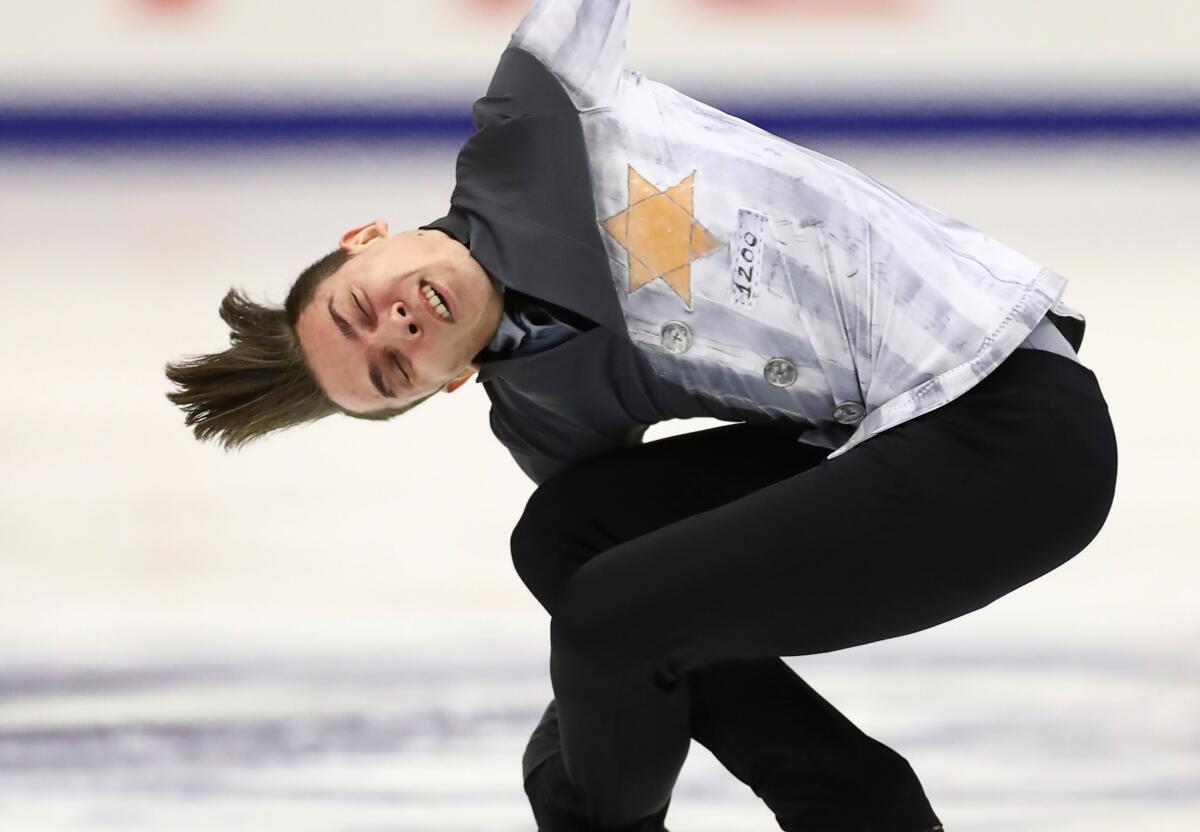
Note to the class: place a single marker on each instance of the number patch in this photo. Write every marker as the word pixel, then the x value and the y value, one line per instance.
pixel 746 249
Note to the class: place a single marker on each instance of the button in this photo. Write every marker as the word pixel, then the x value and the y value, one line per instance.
pixel 780 372
pixel 849 413
pixel 676 337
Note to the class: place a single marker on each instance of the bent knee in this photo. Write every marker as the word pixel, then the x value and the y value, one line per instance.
pixel 555 535
pixel 539 535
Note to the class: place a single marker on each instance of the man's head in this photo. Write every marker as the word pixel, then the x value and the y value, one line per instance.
pixel 361 333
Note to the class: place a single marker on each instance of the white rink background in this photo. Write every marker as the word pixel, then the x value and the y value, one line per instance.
pixel 324 632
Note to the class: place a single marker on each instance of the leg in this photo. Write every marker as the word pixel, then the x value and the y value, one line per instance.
pixel 748 716
pixel 812 766
pixel 771 731
pixel 933 519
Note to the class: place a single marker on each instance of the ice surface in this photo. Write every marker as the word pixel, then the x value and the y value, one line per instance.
pixel 324 632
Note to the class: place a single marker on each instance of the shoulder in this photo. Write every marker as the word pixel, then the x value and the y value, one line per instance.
pixel 522 86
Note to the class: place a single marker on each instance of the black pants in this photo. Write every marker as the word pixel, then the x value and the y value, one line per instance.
pixel 676 573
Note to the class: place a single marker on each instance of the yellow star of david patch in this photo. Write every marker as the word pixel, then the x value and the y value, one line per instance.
pixel 660 232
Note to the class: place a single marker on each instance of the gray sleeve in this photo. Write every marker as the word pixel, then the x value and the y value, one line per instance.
pixel 582 42
pixel 571 448
pixel 537 468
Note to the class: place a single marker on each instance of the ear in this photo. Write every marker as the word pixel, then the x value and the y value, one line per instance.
pixel 357 237
pixel 462 378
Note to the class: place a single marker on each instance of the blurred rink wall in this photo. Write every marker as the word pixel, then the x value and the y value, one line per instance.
pixel 155 152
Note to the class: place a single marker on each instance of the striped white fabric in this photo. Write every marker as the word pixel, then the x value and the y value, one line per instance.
pixel 886 307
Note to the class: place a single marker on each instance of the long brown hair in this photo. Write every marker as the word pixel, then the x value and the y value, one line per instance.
pixel 262 382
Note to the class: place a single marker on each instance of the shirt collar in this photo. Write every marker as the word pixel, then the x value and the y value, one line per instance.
pixel 454 224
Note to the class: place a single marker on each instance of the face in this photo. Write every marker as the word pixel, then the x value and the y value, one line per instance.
pixel 372 337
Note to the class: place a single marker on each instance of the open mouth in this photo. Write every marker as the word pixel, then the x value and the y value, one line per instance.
pixel 437 302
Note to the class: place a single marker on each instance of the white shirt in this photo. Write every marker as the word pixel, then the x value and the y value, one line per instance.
pixel 767 275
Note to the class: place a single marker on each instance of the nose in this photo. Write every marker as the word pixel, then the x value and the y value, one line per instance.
pixel 403 323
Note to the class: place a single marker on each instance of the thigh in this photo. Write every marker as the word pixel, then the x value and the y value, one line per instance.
pixel 933 519
pixel 597 505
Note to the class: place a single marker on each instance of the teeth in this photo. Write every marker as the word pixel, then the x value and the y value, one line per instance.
pixel 435 300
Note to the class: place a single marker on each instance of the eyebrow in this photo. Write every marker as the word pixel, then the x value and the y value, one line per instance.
pixel 372 369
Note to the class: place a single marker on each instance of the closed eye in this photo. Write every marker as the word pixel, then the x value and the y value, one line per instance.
pixel 361 309
pixel 400 367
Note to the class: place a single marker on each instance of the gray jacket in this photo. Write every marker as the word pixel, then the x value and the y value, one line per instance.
pixel 728 273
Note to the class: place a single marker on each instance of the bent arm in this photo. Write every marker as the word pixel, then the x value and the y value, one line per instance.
pixel 559 446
